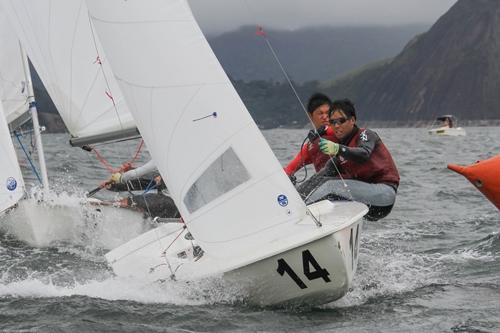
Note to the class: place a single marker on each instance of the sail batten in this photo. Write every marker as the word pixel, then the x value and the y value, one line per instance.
pixel 224 178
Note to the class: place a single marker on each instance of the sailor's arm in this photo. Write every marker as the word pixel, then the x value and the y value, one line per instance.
pixel 360 154
pixel 301 159
pixel 138 172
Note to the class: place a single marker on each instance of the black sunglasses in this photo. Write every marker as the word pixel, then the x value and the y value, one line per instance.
pixel 339 121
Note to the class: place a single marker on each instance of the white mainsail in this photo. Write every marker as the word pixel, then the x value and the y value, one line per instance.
pixel 11 180
pixel 13 90
pixel 225 180
pixel 59 41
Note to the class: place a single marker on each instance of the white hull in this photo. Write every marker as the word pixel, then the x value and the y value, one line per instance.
pixel 314 266
pixel 444 131
pixel 42 223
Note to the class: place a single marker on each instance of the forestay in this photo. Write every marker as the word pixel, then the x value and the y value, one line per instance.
pixel 230 188
pixel 59 41
pixel 11 180
pixel 13 92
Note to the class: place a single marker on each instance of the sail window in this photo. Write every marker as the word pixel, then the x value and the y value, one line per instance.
pixel 223 175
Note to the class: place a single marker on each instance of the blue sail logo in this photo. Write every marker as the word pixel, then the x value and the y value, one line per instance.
pixel 282 200
pixel 11 183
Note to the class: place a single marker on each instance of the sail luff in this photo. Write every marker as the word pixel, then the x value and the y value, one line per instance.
pixel 224 178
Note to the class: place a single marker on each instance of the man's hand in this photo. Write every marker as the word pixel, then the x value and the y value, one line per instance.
pixel 116 177
pixel 328 147
pixel 314 134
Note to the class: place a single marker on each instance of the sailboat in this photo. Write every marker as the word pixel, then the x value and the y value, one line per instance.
pixel 242 217
pixel 60 44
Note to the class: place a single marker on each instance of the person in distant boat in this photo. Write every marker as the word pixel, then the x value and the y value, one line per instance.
pixel 361 168
pixel 144 178
pixel 318 107
pixel 447 123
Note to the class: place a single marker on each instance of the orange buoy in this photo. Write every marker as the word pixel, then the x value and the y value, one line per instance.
pixel 484 175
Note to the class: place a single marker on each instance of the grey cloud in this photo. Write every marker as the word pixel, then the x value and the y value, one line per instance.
pixel 222 15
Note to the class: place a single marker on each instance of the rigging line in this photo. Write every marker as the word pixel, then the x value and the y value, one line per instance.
pixel 302 162
pixel 262 33
pixel 33 168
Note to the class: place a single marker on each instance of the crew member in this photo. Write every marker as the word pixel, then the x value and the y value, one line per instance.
pixel 318 108
pixel 144 178
pixel 362 169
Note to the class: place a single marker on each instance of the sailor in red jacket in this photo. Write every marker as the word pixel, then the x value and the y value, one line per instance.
pixel 318 108
pixel 363 161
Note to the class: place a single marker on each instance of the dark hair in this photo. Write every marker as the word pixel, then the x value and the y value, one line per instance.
pixel 316 100
pixel 345 105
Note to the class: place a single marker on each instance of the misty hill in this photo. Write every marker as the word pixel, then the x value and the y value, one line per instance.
pixel 453 68
pixel 308 54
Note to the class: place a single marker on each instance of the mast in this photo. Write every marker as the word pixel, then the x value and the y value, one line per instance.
pixel 34 117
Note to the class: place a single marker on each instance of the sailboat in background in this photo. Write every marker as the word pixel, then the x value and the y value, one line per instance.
pixel 60 43
pixel 14 104
pixel 248 222
pixel 64 52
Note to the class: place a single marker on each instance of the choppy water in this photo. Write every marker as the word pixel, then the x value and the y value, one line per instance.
pixel 433 265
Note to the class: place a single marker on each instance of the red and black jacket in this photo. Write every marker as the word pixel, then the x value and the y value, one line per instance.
pixel 310 154
pixel 363 156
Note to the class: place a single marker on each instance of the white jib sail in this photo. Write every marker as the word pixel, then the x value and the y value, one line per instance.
pixel 59 41
pixel 224 178
pixel 11 179
pixel 13 90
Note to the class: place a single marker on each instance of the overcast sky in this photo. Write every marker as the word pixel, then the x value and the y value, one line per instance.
pixel 216 16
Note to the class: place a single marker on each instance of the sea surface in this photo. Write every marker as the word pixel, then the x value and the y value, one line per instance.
pixel 432 265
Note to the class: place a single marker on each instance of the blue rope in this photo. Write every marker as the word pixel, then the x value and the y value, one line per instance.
pixel 33 168
pixel 149 187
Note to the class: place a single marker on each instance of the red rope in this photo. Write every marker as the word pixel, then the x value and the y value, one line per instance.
pixel 176 237
pixel 103 160
pixel 125 166
pixel 141 144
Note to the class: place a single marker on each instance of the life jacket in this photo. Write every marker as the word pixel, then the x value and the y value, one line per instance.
pixel 380 168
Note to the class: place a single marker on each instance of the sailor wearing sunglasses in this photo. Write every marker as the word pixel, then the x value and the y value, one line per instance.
pixel 363 161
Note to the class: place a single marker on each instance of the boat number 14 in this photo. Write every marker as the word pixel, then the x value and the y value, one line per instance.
pixel 307 261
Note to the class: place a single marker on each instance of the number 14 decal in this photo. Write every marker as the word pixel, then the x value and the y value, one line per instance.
pixel 307 261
